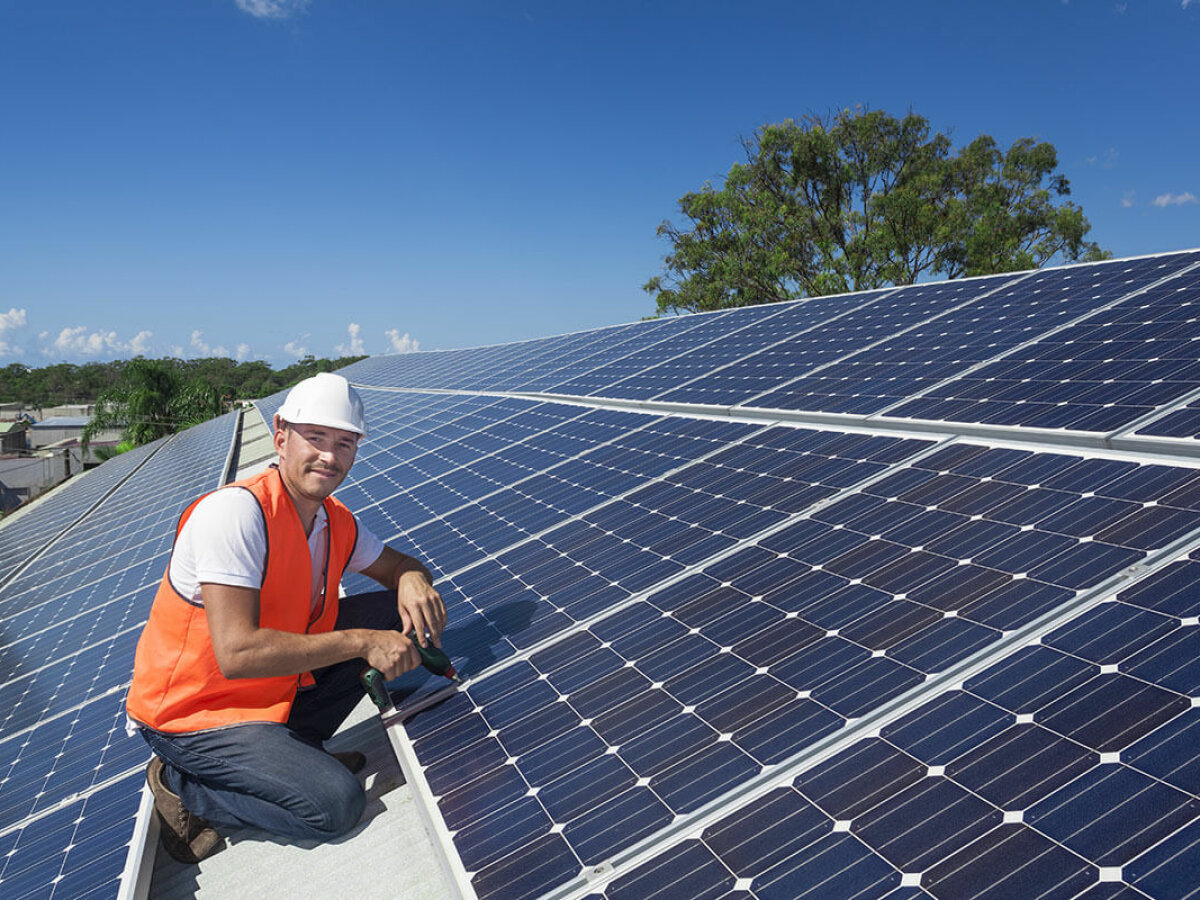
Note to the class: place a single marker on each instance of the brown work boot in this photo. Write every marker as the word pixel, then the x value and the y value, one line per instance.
pixel 186 837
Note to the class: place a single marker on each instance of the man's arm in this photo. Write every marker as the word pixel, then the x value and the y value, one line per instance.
pixel 244 650
pixel 421 607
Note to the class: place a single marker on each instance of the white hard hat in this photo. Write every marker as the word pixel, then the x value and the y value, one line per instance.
pixel 325 399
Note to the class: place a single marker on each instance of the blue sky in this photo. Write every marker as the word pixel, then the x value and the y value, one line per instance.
pixel 268 178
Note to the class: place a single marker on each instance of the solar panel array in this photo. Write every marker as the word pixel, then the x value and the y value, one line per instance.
pixel 845 597
pixel 747 654
pixel 70 778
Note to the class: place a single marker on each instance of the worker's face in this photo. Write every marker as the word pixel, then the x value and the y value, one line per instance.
pixel 315 459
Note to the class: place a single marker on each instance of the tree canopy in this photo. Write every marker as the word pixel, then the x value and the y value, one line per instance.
pixel 70 383
pixel 863 200
pixel 153 399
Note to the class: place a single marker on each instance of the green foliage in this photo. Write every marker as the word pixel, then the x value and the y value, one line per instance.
pixel 152 400
pixel 863 200
pixel 70 383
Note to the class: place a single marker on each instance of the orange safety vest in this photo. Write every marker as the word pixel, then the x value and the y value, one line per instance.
pixel 177 684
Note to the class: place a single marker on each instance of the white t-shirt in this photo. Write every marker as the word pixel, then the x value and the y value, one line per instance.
pixel 225 542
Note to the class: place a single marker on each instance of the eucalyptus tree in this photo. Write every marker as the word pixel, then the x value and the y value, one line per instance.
pixel 862 200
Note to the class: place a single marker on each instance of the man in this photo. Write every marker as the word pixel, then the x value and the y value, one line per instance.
pixel 250 662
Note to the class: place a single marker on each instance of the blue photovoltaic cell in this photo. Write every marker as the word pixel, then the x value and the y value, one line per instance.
pixel 1180 423
pixel 77 851
pixel 537 365
pixel 877 377
pixel 1101 374
pixel 636 375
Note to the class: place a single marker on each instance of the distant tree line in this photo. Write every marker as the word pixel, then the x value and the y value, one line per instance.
pixel 230 380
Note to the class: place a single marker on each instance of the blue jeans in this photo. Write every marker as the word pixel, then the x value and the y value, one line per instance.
pixel 278 777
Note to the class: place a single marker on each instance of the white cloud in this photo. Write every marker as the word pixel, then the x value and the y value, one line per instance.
pixel 402 344
pixel 203 349
pixel 272 9
pixel 14 318
pixel 1129 199
pixel 355 347
pixel 243 352
pixel 77 340
pixel 296 348
pixel 9 321
pixel 1175 199
pixel 140 343
pixel 80 341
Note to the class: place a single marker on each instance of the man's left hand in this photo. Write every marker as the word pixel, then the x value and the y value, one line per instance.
pixel 421 609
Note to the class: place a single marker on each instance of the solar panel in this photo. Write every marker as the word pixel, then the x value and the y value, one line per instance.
pixel 991 322
pixel 1100 374
pixel 1068 769
pixel 690 693
pixel 824 331
pixel 58 510
pixel 70 778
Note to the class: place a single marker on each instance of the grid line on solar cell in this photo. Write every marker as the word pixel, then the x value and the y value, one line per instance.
pixel 876 377
pixel 1100 372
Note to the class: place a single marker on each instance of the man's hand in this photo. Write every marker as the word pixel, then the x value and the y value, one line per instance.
pixel 421 609
pixel 390 652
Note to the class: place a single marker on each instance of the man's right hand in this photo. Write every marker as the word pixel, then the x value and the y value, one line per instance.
pixel 390 652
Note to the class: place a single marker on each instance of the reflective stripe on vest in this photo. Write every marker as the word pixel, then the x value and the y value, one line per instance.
pixel 177 684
